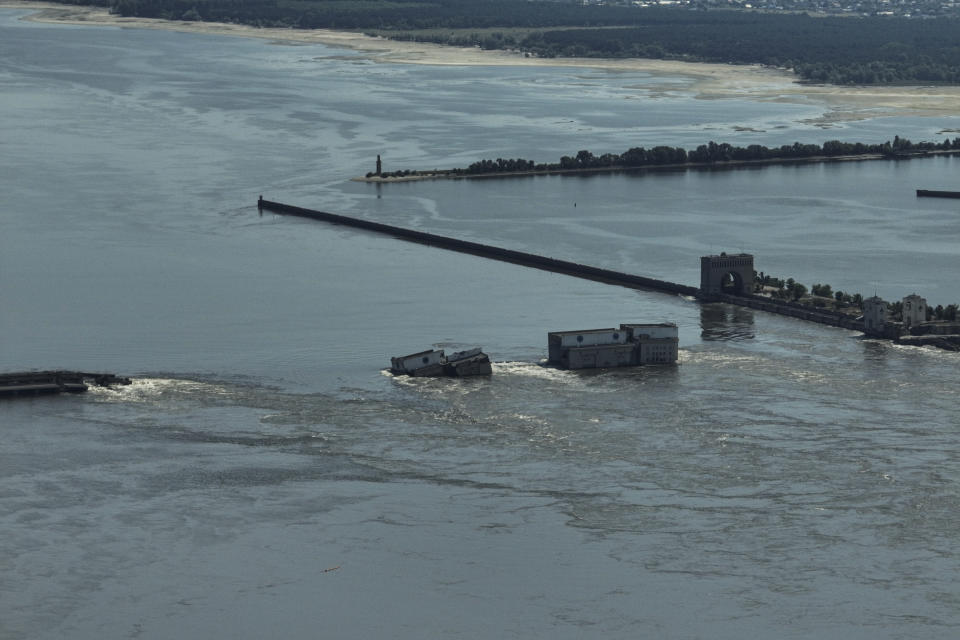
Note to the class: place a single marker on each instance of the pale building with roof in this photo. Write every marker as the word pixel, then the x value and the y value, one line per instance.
pixel 630 345
pixel 875 315
pixel 914 310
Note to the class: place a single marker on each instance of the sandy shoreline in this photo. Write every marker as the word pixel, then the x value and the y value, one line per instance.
pixel 706 81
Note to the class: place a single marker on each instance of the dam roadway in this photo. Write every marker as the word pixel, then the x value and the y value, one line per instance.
pixel 607 276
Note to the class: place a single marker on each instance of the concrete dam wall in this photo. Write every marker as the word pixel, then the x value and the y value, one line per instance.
pixel 487 251
pixel 743 299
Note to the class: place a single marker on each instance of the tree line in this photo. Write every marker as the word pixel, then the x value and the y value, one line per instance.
pixel 823 295
pixel 836 50
pixel 711 152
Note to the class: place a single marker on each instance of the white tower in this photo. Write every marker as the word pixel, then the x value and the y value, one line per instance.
pixel 914 310
pixel 874 315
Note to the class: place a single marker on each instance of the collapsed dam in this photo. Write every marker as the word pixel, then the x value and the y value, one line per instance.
pixel 487 251
pixel 736 269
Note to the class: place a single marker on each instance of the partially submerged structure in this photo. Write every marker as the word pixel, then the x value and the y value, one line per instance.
pixel 434 363
pixel 913 311
pixel 32 383
pixel 875 316
pixel 472 362
pixel 630 345
pixel 731 274
pixel 913 328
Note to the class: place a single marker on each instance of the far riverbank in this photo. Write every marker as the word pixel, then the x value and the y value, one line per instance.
pixel 702 80
pixel 452 174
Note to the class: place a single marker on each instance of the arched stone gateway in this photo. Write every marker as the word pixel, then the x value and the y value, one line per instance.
pixel 725 273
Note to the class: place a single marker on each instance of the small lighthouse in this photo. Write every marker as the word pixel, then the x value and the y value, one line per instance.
pixel 379 165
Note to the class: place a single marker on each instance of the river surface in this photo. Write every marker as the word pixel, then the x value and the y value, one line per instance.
pixel 263 476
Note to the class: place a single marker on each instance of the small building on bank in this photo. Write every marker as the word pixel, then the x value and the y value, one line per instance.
pixel 914 311
pixel 630 345
pixel 875 310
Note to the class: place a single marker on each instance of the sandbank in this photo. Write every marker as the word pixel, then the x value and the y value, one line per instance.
pixel 703 80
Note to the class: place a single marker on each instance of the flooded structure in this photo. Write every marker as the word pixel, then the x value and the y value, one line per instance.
pixel 913 328
pixel 656 343
pixel 472 362
pixel 434 363
pixel 423 363
pixel 914 311
pixel 627 346
pixel 875 316
pixel 726 273
pixel 32 383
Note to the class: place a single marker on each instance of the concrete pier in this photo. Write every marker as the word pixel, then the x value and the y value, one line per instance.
pixel 743 298
pixel 487 251
pixel 927 193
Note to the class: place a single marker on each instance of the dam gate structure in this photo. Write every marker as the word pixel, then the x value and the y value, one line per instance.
pixel 730 274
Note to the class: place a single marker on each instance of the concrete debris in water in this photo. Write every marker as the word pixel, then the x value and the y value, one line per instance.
pixel 49 382
pixel 628 346
pixel 434 363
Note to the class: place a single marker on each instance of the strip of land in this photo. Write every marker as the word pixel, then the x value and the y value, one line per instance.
pixel 720 165
pixel 705 81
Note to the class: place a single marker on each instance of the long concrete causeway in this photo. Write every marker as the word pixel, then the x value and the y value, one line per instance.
pixel 487 251
pixel 781 307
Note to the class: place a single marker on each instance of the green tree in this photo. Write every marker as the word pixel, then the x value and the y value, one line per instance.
pixel 823 290
pixel 585 158
pixel 896 310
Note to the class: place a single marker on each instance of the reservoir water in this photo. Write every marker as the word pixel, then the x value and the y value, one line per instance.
pixel 263 477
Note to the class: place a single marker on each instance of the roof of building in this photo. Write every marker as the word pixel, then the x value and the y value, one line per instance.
pixel 422 353
pixel 648 324
pixel 582 331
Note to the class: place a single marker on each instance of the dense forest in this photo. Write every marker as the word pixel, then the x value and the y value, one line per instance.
pixel 836 50
pixel 705 154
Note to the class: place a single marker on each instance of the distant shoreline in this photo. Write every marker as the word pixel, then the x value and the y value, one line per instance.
pixel 720 165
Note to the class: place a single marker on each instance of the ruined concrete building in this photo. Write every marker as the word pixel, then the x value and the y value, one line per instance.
pixel 630 345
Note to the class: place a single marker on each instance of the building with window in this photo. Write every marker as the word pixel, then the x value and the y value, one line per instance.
pixel 914 311
pixel 656 343
pixel 424 363
pixel 875 311
pixel 630 345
